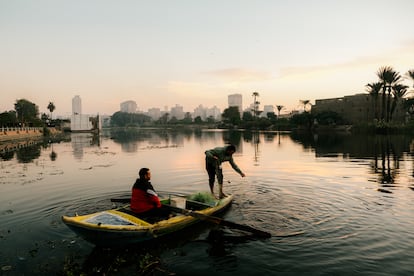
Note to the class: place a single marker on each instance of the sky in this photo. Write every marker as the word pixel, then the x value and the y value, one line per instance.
pixel 160 53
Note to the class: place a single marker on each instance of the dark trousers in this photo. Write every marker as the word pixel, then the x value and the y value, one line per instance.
pixel 213 170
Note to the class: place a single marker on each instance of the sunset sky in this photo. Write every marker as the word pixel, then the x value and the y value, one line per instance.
pixel 190 52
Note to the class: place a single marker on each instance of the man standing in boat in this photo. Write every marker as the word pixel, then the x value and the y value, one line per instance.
pixel 214 158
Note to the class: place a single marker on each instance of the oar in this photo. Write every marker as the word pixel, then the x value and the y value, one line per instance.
pixel 212 219
pixel 220 221
pixel 121 200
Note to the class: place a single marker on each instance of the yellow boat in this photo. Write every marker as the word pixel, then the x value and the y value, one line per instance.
pixel 121 226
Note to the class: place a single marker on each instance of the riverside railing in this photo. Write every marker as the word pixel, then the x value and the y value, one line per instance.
pixel 20 129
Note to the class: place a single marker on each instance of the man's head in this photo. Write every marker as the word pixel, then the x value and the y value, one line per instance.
pixel 145 173
pixel 230 149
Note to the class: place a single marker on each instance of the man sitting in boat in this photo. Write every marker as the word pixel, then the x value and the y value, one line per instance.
pixel 144 199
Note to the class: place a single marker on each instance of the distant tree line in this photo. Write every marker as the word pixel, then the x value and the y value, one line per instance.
pixel 124 119
pixel 387 92
pixel 26 114
pixel 231 118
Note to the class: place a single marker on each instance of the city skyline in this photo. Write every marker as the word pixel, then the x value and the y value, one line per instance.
pixel 163 53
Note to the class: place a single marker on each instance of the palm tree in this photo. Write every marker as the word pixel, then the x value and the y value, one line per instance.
pixel 51 107
pixel 395 79
pixel 305 103
pixel 374 90
pixel 388 78
pixel 383 74
pixel 255 103
pixel 410 74
pixel 279 108
pixel 399 91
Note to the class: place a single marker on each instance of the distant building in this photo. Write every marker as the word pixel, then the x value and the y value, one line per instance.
pixel 236 100
pixel 80 122
pixel 289 115
pixel 76 105
pixel 214 112
pixel 154 113
pixel 129 107
pixel 267 109
pixel 201 112
pixel 358 108
pixel 177 112
pixel 106 120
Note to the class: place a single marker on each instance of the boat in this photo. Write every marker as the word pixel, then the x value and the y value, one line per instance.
pixel 120 226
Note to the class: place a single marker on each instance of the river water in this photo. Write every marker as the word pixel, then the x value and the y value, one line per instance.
pixel 335 204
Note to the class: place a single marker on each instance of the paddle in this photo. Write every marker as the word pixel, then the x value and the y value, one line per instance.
pixel 212 219
pixel 221 222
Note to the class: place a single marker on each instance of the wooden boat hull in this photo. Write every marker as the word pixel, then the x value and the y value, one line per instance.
pixel 116 227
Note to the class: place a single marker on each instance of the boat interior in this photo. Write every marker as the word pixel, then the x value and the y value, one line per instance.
pixel 179 202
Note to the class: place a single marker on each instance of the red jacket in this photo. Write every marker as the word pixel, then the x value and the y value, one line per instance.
pixel 144 197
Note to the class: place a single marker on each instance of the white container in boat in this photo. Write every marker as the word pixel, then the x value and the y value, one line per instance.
pixel 178 202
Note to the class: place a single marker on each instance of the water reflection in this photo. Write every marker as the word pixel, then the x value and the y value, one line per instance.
pixel 28 154
pixel 7 155
pixel 27 151
pixel 79 141
pixel 53 154
pixel 132 139
pixel 385 151
pixel 321 186
pixel 145 258
pixel 235 138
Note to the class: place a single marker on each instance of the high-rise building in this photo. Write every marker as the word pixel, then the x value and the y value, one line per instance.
pixel 236 100
pixel 154 113
pixel 201 112
pixel 214 112
pixel 76 105
pixel 129 107
pixel 82 122
pixel 177 112
pixel 267 109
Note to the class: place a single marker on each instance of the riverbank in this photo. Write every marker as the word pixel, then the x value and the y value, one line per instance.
pixel 12 134
pixel 14 138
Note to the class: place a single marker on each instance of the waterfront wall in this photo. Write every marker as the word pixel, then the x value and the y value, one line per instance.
pixel 359 108
pixel 13 138
pixel 18 133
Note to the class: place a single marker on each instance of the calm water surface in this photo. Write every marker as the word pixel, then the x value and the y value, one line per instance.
pixel 335 204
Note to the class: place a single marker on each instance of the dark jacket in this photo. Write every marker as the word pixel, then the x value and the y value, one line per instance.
pixel 144 198
pixel 220 153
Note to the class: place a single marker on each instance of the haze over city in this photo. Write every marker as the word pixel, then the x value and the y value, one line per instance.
pixel 162 53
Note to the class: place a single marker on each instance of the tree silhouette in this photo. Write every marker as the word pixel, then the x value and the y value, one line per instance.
pixel 279 108
pixel 410 74
pixel 51 107
pixel 374 90
pixel 305 104
pixel 388 77
pixel 26 111
pixel 255 103
pixel 399 91
pixel 231 115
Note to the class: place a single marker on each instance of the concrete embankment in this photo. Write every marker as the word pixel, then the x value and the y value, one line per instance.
pixel 14 138
pixel 12 134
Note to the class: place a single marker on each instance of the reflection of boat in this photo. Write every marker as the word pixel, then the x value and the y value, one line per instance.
pixel 120 226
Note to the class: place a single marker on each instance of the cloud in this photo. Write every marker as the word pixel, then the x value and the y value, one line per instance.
pixel 399 58
pixel 240 74
pixel 186 90
pixel 181 87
